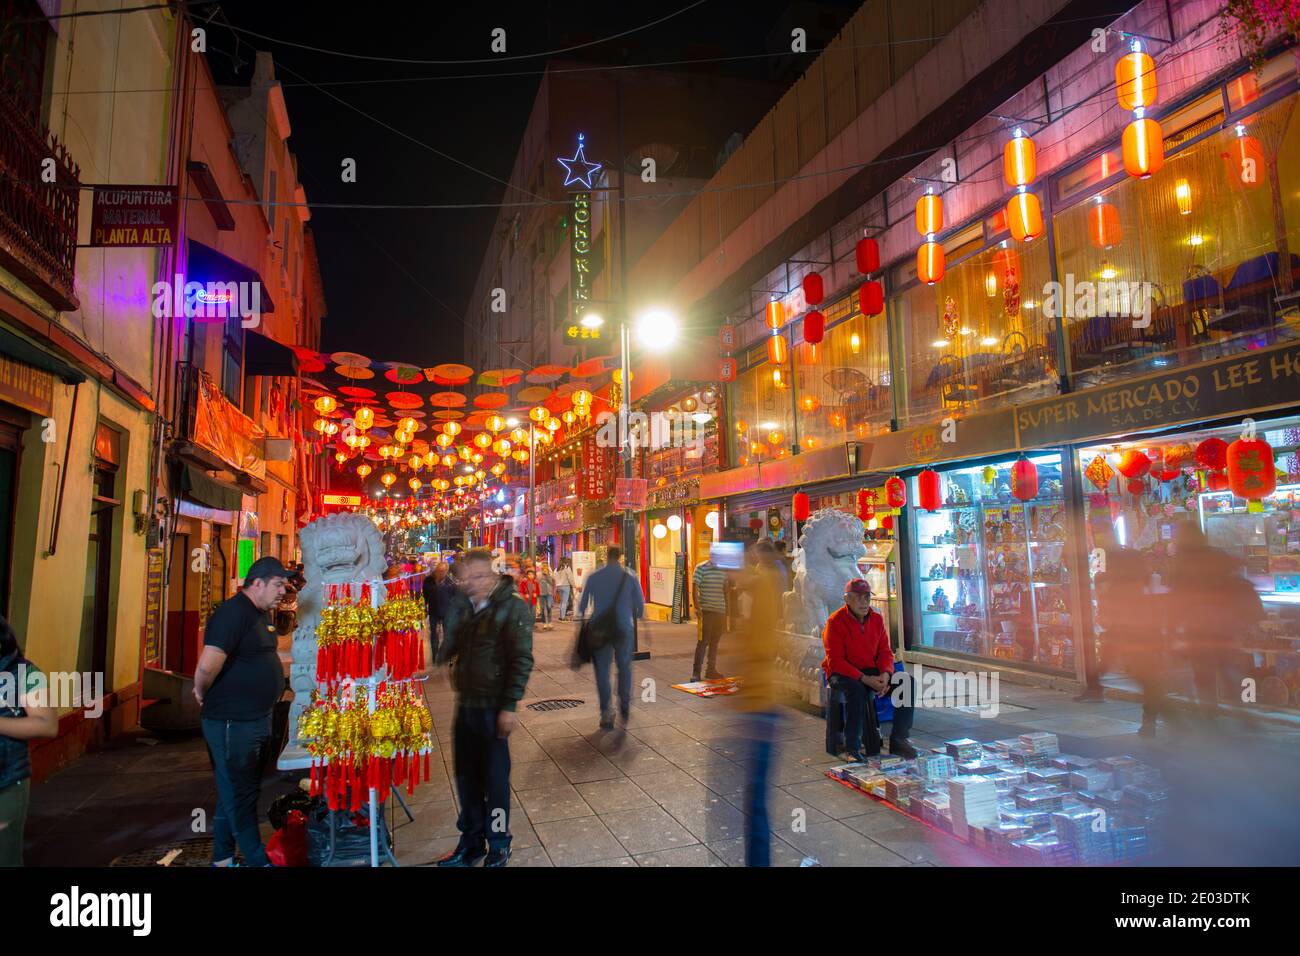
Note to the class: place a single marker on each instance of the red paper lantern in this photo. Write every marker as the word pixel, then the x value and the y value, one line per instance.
pixel 755 524
pixel 929 262
pixel 1218 481
pixel 1212 453
pixel 1168 474
pixel 866 504
pixel 727 370
pixel 801 507
pixel 1135 80
pixel 1134 464
pixel 1251 471
pixel 1136 486
pixel 867 254
pixel 814 290
pixel 871 298
pixel 775 315
pixel 1024 479
pixel 895 492
pixel 929 490
pixel 814 327
pixel 1025 217
pixel 887 522
pixel 1104 230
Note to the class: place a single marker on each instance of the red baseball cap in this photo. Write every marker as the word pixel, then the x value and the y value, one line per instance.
pixel 857 586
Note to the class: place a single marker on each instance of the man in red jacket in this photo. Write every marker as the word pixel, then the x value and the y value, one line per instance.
pixel 859 665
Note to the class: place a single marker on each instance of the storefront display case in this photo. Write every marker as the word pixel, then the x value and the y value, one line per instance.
pixel 880 570
pixel 992 571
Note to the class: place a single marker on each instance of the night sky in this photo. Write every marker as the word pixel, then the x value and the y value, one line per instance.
pixel 397 281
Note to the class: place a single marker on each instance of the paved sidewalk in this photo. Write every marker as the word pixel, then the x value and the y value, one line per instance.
pixel 670 795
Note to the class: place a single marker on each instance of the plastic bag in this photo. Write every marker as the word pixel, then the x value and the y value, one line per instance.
pixel 288 845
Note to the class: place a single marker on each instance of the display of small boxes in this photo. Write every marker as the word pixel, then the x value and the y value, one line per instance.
pixel 964 750
pixel 979 768
pixel 1049 775
pixel 1128 843
pixel 1040 742
pixel 900 789
pixel 884 762
pixel 1045 849
pixel 933 806
pixel 1027 758
pixel 1040 797
pixel 1091 778
pixel 1006 745
pixel 934 768
pixel 1072 762
pixel 1114 764
pixel 971 800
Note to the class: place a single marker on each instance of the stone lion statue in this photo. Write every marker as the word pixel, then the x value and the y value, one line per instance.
pixel 336 549
pixel 829 549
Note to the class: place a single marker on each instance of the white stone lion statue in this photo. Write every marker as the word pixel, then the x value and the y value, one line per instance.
pixel 829 549
pixel 336 549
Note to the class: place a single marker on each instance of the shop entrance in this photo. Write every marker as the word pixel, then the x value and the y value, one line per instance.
pixel 95 620
pixel 12 424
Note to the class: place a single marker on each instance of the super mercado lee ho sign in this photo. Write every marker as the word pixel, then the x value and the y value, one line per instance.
pixel 1252 380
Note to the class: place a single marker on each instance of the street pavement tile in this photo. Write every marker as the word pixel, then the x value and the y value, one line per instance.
pixel 433 821
pixel 667 784
pixel 572 746
pixel 524 749
pixel 617 861
pixel 812 752
pixel 923 846
pixel 722 776
pixel 158 786
pixel 786 772
pixel 536 775
pixel 881 819
pixel 528 856
pixel 553 803
pixel 647 829
pixel 660 734
pixel 544 730
pixel 685 755
pixel 424 853
pixel 167 761
pixel 1088 726
pixel 696 855
pixel 587 769
pixel 610 796
pixel 635 760
pixel 574 842
pixel 834 844
pixel 711 819
pixel 830 797
pixel 732 852
pixel 781 807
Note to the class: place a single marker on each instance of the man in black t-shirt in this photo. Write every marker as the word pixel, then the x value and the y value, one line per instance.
pixel 238 682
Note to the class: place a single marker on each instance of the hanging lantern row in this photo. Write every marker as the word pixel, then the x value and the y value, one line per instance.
pixel 1143 142
pixel 929 221
pixel 1019 167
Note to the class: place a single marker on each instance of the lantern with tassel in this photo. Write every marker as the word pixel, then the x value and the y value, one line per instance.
pixel 800 507
pixel 895 492
pixel 866 504
pixel 814 327
pixel 814 290
pixel 1251 472
pixel 871 298
pixel 1024 479
pixel 929 494
pixel 867 256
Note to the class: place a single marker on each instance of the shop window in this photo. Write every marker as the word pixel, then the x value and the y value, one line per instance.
pixel 979 336
pixel 1185 266
pixel 761 416
pixel 1245 90
pixel 993 573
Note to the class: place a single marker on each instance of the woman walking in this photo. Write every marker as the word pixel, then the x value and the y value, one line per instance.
pixel 546 592
pixel 563 588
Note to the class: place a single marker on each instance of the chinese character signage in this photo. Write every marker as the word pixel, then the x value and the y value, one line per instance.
pixel 597 469
pixel 580 257
pixel 581 331
pixel 630 494
pixel 727 338
pixel 133 216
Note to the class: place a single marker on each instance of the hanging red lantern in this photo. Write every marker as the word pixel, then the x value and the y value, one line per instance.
pixel 801 507
pixel 1025 217
pixel 896 492
pixel 871 298
pixel 727 370
pixel 814 327
pixel 1104 230
pixel 887 522
pixel 1134 464
pixel 777 352
pixel 866 504
pixel 929 262
pixel 929 493
pixel 1218 481
pixel 1212 453
pixel 1024 479
pixel 814 290
pixel 1144 148
pixel 1252 473
pixel 755 524
pixel 1168 474
pixel 1136 486
pixel 867 255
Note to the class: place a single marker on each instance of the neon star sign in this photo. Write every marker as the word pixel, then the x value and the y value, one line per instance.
pixel 578 170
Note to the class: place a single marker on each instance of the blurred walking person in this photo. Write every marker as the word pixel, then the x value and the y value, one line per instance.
pixel 1128 625
pixel 758 702
pixel 24 716
pixel 545 593
pixel 563 588
pixel 616 601
pixel 709 587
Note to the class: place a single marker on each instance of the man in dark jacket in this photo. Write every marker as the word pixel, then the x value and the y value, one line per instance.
pixel 488 638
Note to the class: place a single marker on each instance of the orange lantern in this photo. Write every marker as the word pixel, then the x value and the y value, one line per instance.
pixel 1134 464
pixel 777 351
pixel 1025 217
pixel 929 262
pixel 1019 160
pixel 1251 471
pixel 1144 148
pixel 388 478
pixel 801 507
pixel 775 315
pixel 451 428
pixel 1104 230
pixel 1024 479
pixel 814 327
pixel 895 492
pixel 929 214
pixel 363 469
pixel 363 418
pixel 929 493
pixel 1135 79
pixel 325 404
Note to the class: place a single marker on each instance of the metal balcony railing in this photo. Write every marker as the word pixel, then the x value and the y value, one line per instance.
pixel 38 219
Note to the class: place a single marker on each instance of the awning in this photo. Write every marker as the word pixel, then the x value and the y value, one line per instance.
pixel 266 356
pixel 20 350
pixel 203 489
pixel 205 264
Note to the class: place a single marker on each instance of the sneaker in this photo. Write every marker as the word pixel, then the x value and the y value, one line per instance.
pixel 854 756
pixel 607 723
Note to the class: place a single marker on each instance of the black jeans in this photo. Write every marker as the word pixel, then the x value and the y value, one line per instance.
pixel 482 779
pixel 711 625
pixel 860 712
pixel 235 747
